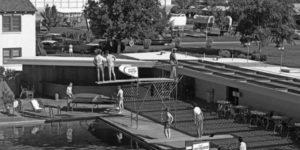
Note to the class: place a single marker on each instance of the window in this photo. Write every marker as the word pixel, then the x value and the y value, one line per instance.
pixel 11 23
pixel 10 53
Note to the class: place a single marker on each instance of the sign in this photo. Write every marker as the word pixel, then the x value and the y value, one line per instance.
pixel 129 70
pixel 197 145
pixel 201 146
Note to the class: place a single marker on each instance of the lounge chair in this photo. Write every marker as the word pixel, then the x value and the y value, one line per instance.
pixel 36 106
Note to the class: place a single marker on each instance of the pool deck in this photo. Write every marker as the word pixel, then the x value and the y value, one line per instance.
pixel 153 133
pixel 148 132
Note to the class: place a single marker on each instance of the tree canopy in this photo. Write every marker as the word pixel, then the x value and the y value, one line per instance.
pixel 119 19
pixel 50 17
pixel 263 20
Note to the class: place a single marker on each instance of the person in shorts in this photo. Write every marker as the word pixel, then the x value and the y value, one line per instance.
pixel 198 120
pixel 110 59
pixel 168 123
pixel 173 62
pixel 120 96
pixel 98 62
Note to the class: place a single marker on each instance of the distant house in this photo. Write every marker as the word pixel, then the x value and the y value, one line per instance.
pixel 17 29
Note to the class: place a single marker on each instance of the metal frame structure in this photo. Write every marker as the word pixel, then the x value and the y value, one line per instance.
pixel 137 93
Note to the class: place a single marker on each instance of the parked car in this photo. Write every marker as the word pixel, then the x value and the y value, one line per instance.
pixel 158 40
pixel 296 35
pixel 78 47
pixel 54 36
pixel 51 46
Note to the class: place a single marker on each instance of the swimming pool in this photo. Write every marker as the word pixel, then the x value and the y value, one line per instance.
pixel 63 135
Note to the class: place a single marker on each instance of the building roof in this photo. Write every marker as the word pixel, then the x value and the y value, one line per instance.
pixel 18 6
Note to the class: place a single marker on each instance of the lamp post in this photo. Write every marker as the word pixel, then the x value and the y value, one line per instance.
pixel 248 46
pixel 281 48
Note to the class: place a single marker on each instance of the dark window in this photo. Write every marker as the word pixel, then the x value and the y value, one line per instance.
pixel 10 53
pixel 11 23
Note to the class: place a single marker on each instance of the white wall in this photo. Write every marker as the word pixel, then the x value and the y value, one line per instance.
pixel 24 39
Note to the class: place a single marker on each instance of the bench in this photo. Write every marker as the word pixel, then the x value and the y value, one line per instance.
pixel 90 98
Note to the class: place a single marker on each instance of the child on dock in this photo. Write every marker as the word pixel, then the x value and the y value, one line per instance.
pixel 168 123
pixel 120 99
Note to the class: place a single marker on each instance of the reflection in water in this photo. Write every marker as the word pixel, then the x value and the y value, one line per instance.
pixel 69 135
pixel 119 137
pixel 64 135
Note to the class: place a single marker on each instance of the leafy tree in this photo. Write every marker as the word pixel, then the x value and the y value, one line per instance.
pixel 120 19
pixel 263 20
pixel 183 6
pixel 50 17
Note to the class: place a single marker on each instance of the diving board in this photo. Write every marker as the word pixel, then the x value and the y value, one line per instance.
pixel 136 80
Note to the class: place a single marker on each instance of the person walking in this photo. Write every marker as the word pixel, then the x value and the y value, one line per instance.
pixel 198 120
pixel 120 96
pixel 173 62
pixel 243 145
pixel 98 62
pixel 110 59
pixel 168 123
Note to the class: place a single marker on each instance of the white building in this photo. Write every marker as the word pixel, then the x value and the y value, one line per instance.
pixel 17 29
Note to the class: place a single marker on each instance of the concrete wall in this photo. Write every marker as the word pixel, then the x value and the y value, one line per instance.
pixel 24 39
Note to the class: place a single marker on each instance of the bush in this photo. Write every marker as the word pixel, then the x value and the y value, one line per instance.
pixel 209 43
pixel 224 53
pixel 147 43
pixel 242 56
pixel 258 57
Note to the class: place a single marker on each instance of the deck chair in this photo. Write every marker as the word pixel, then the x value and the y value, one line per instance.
pixel 36 106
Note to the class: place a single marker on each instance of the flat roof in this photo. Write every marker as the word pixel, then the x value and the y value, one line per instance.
pixel 73 61
pixel 257 66
pixel 162 55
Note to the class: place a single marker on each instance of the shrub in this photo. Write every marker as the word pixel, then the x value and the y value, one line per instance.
pixel 209 43
pixel 258 57
pixel 224 53
pixel 242 56
pixel 147 43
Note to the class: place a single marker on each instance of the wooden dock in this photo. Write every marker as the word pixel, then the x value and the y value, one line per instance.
pixel 151 134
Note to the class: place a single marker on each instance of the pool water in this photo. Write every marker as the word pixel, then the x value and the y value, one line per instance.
pixel 64 135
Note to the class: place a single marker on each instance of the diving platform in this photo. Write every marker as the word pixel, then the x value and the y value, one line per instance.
pixel 124 81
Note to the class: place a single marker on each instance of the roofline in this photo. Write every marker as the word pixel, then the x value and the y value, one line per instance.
pixel 17 12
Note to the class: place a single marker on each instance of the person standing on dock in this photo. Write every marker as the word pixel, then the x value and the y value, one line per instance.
pixel 98 62
pixel 198 120
pixel 168 123
pixel 110 59
pixel 120 99
pixel 174 62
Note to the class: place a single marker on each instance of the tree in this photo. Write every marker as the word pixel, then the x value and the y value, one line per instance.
pixel 50 17
pixel 120 19
pixel 263 20
pixel 184 6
